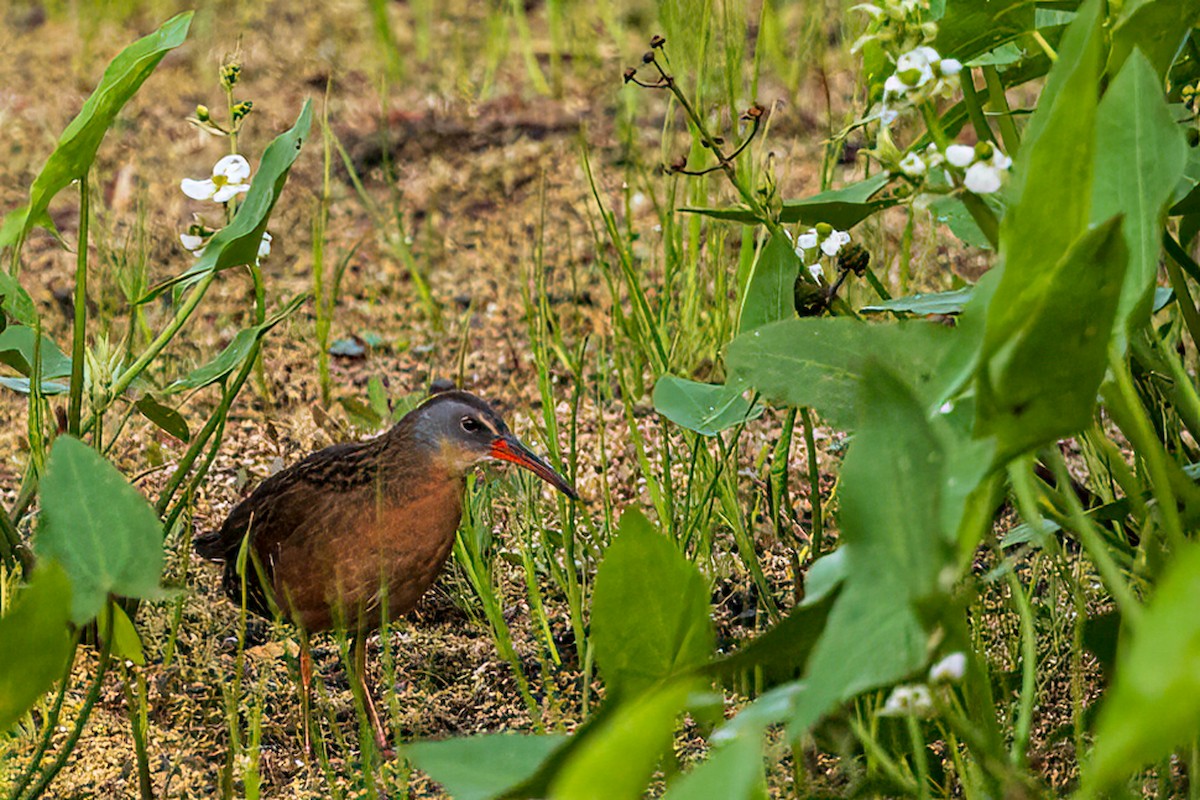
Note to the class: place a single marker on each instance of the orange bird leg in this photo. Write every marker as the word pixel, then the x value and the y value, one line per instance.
pixel 306 674
pixel 360 673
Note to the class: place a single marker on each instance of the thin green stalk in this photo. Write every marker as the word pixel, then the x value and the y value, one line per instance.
pixel 1094 544
pixel 1121 395
pixel 814 486
pixel 983 131
pixel 998 102
pixel 920 755
pixel 135 703
pixel 1024 718
pixel 79 333
pixel 85 712
pixel 1183 297
pixel 126 378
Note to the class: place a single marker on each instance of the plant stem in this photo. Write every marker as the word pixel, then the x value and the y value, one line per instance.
pixel 79 335
pixel 85 712
pixel 998 102
pixel 814 486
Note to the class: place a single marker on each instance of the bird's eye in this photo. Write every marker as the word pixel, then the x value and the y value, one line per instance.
pixel 469 424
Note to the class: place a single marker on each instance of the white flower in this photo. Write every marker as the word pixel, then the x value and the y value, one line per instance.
pixel 960 155
pixel 230 177
pixel 982 178
pixel 1000 160
pixel 894 87
pixel 934 157
pixel 264 247
pixel 833 243
pixel 816 271
pixel 906 700
pixel 912 165
pixel 950 669
pixel 915 68
pixel 807 241
pixel 949 67
pixel 194 243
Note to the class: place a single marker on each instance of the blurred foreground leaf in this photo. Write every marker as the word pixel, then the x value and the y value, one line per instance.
pixel 36 641
pixel 1154 705
pixel 479 767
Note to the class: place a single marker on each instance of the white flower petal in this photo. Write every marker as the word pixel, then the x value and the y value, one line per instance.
pixel 1000 160
pixel 930 55
pixel 950 66
pixel 808 241
pixel 816 271
pixel 982 178
pixel 960 155
pixel 833 243
pixel 912 165
pixel 198 190
pixel 235 168
pixel 888 115
pixel 191 241
pixel 949 669
pixel 894 87
pixel 229 191
pixel 264 247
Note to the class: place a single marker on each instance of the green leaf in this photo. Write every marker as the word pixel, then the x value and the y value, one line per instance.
pixel 1140 158
pixel 731 772
pixel 77 146
pixel 36 640
pixel 1154 704
pixel 650 611
pixel 770 289
pixel 167 419
pixel 1038 381
pixel 971 28
pixel 817 362
pixel 952 212
pixel 126 643
pixel 618 760
pixel 705 408
pixel 236 352
pixel 1051 192
pixel 480 767
pixel 17 343
pixel 921 304
pixel 842 208
pixel 237 243
pixel 49 388
pixel 890 499
pixel 100 528
pixel 15 301
pixel 1159 28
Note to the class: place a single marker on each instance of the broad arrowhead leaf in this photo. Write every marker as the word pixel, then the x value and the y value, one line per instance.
pixel 17 344
pixel 1140 158
pixel 99 527
pixel 842 208
pixel 951 302
pixel 36 640
pixel 818 362
pixel 77 146
pixel 705 408
pixel 1038 381
pixel 650 610
pixel 771 288
pixel 891 498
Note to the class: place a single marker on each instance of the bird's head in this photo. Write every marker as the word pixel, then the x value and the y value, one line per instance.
pixel 463 430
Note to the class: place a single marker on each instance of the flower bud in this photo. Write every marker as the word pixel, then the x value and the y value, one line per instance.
pixel 823 230
pixel 242 110
pixel 229 74
pixel 202 113
pixel 984 150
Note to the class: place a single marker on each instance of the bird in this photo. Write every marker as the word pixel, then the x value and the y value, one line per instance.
pixel 357 532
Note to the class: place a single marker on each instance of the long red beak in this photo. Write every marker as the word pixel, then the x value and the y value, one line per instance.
pixel 510 448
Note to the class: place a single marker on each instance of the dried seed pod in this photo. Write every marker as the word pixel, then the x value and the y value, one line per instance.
pixel 656 42
pixel 630 73
pixel 854 258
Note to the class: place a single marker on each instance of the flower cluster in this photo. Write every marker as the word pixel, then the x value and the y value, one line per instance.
pixel 823 238
pixel 921 75
pixel 230 179
pixel 916 699
pixel 981 167
pixel 896 26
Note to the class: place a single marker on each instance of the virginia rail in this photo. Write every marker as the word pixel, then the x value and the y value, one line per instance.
pixel 358 528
